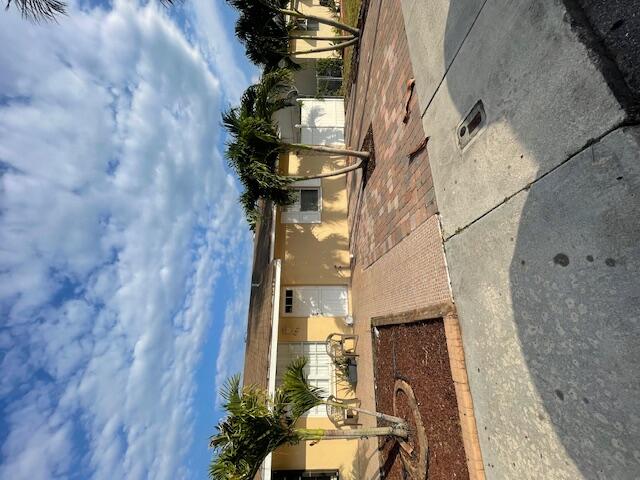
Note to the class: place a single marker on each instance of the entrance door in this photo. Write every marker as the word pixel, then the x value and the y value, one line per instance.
pixel 318 370
pixel 322 121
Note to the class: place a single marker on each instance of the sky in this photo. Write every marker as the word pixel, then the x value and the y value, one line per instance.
pixel 124 255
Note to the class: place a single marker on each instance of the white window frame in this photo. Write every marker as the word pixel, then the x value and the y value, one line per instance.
pixel 322 121
pixel 307 24
pixel 287 307
pixel 292 213
pixel 317 311
pixel 310 350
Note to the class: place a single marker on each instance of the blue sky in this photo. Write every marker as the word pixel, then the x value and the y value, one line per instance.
pixel 124 256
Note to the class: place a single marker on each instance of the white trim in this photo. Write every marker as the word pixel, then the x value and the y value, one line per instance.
pixel 273 352
pixel 314 182
pixel 292 214
pixel 272 241
pixel 275 320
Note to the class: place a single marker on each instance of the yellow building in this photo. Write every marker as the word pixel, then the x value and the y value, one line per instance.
pixel 300 285
pixel 312 28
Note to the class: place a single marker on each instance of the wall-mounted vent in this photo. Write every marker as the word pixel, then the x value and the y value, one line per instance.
pixel 472 125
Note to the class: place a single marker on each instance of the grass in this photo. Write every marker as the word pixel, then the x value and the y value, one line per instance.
pixel 350 10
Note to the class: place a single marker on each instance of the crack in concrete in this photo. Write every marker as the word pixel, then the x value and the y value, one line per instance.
pixel 453 59
pixel 570 157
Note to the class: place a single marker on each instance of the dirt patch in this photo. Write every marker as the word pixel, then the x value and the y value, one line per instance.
pixel 417 353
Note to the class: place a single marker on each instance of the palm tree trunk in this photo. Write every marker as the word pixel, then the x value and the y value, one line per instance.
pixel 379 415
pixel 323 149
pixel 317 434
pixel 338 46
pixel 327 21
pixel 311 37
pixel 335 173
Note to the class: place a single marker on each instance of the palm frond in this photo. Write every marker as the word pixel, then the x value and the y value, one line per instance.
pixel 39 10
pixel 271 92
pixel 263 31
pixel 255 426
pixel 49 10
pixel 302 396
pixel 255 145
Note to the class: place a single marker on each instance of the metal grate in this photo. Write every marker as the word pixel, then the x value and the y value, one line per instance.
pixel 472 125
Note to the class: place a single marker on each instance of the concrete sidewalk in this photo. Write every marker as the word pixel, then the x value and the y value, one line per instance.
pixel 540 212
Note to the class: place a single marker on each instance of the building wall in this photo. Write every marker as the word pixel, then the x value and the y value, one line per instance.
pixel 312 7
pixel 324 455
pixel 316 254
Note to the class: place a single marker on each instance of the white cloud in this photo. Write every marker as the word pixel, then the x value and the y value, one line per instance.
pixel 116 216
pixel 217 46
pixel 232 339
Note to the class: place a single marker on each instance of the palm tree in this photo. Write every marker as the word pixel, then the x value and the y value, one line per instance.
pixel 263 29
pixel 257 424
pixel 255 145
pixel 264 33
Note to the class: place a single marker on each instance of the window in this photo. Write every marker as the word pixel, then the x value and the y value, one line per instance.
pixel 304 475
pixel 329 77
pixel 329 3
pixel 288 301
pixel 306 200
pixel 309 199
pixel 309 301
pixel 307 24
pixel 307 204
pixel 318 371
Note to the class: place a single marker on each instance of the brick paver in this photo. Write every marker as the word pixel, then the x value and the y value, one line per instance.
pixel 399 197
pixel 398 261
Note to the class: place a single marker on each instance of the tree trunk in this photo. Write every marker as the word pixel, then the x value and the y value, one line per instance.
pixel 335 173
pixel 317 434
pixel 327 21
pixel 381 416
pixel 311 37
pixel 323 149
pixel 338 46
